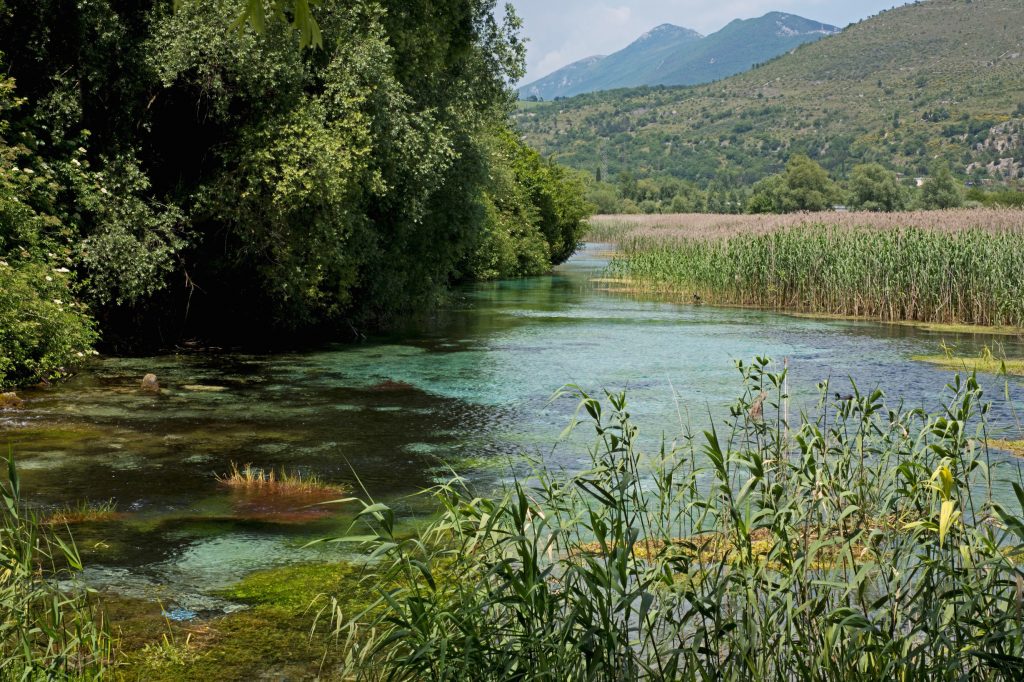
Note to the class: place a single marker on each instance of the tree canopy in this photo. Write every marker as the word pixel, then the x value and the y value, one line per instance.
pixel 209 182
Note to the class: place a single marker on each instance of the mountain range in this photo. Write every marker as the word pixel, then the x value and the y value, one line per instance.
pixel 672 55
pixel 932 80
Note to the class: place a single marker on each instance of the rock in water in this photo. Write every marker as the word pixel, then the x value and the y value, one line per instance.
pixel 150 384
pixel 10 401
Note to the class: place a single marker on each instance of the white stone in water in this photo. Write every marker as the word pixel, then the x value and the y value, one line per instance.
pixel 150 383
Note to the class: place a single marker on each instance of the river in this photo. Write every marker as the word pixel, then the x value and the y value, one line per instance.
pixel 464 391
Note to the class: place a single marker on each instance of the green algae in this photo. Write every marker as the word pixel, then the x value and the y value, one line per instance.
pixel 278 636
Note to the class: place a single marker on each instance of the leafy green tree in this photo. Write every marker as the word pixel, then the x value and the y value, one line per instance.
pixel 286 191
pixel 808 186
pixel 875 188
pixel 804 186
pixel 941 190
pixel 254 13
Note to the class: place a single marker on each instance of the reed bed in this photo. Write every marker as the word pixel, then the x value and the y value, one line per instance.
pixel 860 542
pixel 613 228
pixel 959 268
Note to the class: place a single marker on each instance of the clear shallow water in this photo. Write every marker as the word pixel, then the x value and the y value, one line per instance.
pixel 468 389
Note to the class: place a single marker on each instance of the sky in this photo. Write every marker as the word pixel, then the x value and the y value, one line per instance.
pixel 563 31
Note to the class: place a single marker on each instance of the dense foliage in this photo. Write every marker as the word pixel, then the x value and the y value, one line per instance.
pixel 201 180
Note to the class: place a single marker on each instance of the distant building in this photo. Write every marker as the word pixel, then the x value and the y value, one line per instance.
pixel 839 208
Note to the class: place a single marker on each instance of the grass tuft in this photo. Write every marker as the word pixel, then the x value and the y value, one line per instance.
pixel 259 481
pixel 83 512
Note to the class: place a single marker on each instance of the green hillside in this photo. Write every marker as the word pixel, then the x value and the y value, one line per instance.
pixel 938 79
pixel 671 55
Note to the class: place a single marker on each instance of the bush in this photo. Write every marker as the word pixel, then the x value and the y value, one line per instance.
pixel 43 328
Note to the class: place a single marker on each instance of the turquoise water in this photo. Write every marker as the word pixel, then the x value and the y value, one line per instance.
pixel 468 389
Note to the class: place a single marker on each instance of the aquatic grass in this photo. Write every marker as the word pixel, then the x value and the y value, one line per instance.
pixel 278 496
pixel 985 361
pixel 1014 447
pixel 970 275
pixel 860 541
pixel 82 512
pixel 46 632
pixel 259 481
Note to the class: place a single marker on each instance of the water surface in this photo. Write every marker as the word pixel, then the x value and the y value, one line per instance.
pixel 468 390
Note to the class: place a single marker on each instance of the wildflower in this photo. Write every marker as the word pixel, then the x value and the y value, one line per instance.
pixel 61 270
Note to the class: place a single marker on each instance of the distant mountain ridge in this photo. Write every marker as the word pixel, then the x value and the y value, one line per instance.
pixel 936 80
pixel 673 55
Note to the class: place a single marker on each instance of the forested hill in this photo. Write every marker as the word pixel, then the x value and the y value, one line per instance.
pixel 672 55
pixel 166 176
pixel 941 78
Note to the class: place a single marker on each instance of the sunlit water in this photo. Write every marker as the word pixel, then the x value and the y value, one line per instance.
pixel 467 390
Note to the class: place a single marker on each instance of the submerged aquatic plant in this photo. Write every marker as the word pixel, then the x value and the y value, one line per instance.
pixel 45 632
pixel 861 542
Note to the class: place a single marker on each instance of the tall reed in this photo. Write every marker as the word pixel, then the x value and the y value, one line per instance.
pixel 969 276
pixel 861 542
pixel 46 633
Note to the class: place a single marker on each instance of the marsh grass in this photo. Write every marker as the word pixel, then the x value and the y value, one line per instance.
pixel 1014 447
pixel 986 361
pixel 934 267
pixel 860 541
pixel 46 633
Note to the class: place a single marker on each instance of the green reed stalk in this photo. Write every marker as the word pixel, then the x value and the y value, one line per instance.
pixel 970 276
pixel 45 633
pixel 860 542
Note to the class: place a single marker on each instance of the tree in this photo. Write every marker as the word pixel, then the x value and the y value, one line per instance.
pixel 808 185
pixel 805 186
pixel 254 13
pixel 875 188
pixel 284 192
pixel 941 190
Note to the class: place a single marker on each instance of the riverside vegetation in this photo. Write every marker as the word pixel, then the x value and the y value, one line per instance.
pixel 858 540
pixel 944 267
pixel 164 177
pixel 861 541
